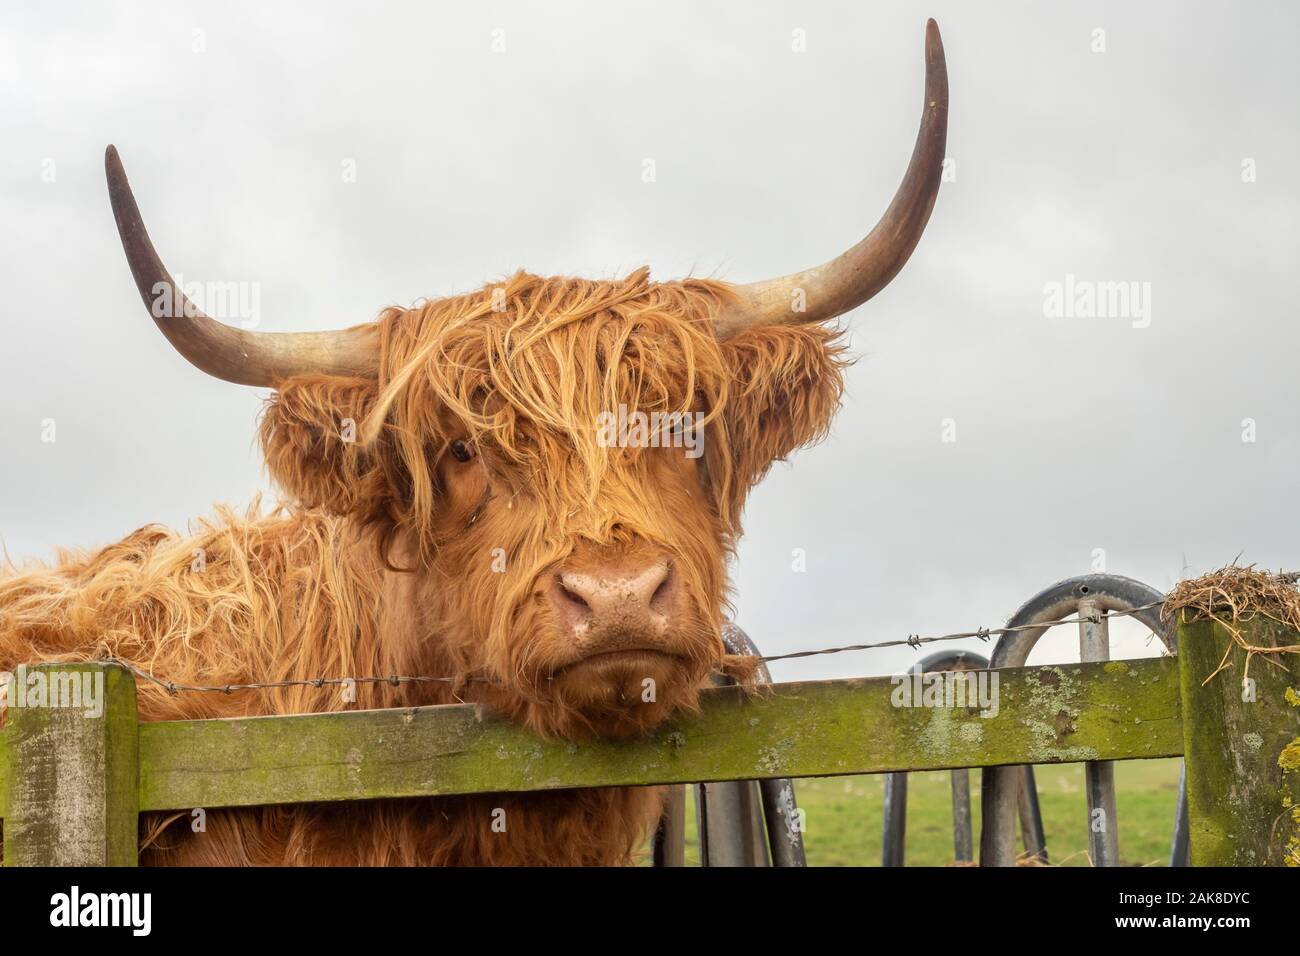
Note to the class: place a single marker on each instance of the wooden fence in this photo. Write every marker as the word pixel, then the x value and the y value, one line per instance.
pixel 71 787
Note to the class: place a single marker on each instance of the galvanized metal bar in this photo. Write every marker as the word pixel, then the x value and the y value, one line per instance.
pixel 1099 775
pixel 962 838
pixel 895 820
pixel 668 846
pixel 751 803
pixel 725 825
pixel 784 822
pixel 1032 836
pixel 1178 852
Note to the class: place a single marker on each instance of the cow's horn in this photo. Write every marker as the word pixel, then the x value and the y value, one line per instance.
pixel 236 355
pixel 845 283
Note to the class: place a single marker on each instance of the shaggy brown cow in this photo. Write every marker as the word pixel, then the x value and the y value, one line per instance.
pixel 479 526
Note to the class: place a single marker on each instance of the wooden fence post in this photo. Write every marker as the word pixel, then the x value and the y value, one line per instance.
pixel 73 767
pixel 1241 746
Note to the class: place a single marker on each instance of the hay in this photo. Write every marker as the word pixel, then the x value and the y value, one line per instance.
pixel 1234 595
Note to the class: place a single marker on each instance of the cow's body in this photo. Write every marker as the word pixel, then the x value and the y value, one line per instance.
pixel 292 597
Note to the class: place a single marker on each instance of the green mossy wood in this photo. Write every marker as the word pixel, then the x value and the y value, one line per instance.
pixel 1046 715
pixel 1242 749
pixel 72 788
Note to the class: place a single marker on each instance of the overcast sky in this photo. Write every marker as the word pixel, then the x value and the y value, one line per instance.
pixel 344 157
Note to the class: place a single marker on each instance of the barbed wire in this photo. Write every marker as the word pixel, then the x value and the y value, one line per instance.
pixel 984 633
pixel 912 640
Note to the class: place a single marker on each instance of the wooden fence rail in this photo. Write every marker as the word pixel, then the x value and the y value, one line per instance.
pixel 71 785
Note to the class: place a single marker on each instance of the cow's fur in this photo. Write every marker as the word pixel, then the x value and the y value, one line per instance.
pixel 392 557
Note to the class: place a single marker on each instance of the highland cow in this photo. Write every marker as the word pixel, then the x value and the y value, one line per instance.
pixel 454 508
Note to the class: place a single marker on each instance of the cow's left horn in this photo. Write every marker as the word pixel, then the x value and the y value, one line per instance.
pixel 845 283
pixel 236 355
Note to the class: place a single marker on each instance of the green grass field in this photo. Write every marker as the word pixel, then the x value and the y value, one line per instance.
pixel 843 823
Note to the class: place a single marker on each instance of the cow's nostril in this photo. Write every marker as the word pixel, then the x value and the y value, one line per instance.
pixel 571 595
pixel 661 594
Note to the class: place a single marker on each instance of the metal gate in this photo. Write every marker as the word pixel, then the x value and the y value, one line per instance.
pixel 757 823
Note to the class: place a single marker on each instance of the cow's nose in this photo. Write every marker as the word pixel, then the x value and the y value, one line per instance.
pixel 628 598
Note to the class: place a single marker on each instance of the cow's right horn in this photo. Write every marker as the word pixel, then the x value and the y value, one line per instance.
pixel 236 355
pixel 826 291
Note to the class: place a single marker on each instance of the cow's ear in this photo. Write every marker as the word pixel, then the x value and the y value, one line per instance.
pixel 786 385
pixel 311 439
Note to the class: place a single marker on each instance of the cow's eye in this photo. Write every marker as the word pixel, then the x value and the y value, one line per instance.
pixel 462 451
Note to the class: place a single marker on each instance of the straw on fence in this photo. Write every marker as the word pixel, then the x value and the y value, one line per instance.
pixel 1235 595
